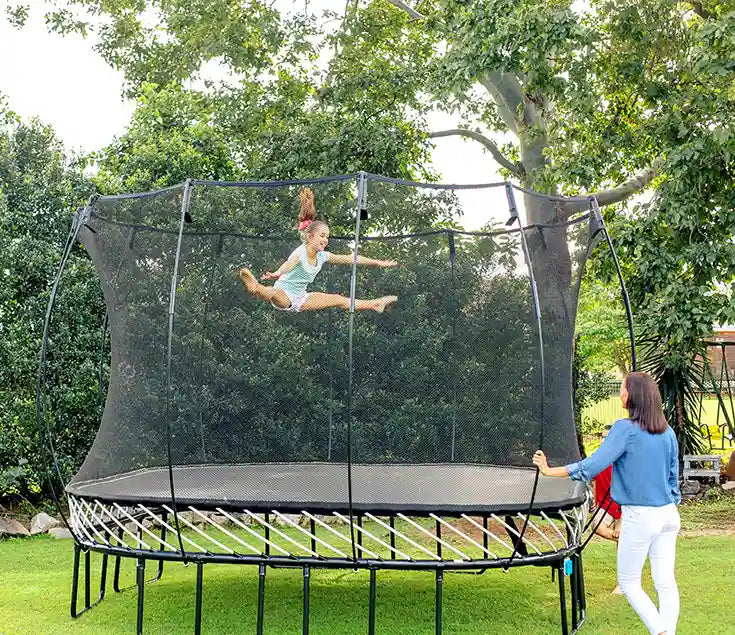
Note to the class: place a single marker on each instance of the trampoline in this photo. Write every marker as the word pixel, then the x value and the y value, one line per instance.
pixel 233 432
pixel 470 489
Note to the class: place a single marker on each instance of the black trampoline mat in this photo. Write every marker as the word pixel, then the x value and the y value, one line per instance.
pixel 422 488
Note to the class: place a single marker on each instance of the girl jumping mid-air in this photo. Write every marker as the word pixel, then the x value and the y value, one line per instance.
pixel 292 277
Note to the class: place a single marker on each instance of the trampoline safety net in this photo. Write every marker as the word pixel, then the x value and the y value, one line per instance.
pixel 216 396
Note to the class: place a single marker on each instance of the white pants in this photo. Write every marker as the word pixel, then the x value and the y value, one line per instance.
pixel 650 531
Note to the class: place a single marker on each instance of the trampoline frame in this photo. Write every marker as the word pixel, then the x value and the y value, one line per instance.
pixel 110 528
pixel 91 533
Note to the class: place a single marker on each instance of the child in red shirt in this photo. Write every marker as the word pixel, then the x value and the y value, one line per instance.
pixel 609 527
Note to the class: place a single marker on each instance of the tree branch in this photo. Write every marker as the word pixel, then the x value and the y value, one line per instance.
pixel 626 189
pixel 415 15
pixel 515 168
pixel 507 92
pixel 700 10
pixel 623 191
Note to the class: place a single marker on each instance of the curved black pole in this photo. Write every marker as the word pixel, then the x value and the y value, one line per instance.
pixel 597 214
pixel 41 422
pixel 171 308
pixel 537 309
pixel 361 184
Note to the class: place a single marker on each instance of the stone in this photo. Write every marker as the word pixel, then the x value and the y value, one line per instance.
pixel 294 518
pixel 218 519
pixel 11 527
pixel 59 532
pixel 187 516
pixel 690 488
pixel 42 522
pixel 730 485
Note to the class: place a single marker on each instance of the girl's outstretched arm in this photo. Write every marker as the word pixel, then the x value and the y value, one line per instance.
pixel 348 259
pixel 284 268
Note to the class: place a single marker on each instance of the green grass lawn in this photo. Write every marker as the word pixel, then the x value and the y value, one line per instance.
pixel 35 586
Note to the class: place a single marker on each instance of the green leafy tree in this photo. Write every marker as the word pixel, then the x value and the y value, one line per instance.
pixel 38 186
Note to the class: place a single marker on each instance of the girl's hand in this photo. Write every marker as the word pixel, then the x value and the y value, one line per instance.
pixel 388 263
pixel 539 460
pixel 269 275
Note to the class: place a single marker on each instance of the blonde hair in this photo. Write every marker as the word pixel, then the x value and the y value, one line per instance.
pixel 307 214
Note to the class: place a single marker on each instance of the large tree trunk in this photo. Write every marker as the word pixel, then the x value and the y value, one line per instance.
pixel 552 268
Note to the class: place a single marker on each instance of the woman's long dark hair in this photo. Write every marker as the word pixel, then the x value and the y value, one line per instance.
pixel 644 403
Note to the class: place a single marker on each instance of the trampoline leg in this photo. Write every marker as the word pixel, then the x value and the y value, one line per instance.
pixel 562 598
pixel 582 596
pixel 439 581
pixel 371 608
pixel 579 606
pixel 198 605
pixel 87 582
pixel 87 556
pixel 574 590
pixel 75 581
pixel 307 575
pixel 116 576
pixel 140 575
pixel 261 598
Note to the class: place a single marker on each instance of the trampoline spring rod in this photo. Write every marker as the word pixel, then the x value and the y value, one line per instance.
pixel 339 535
pixel 392 537
pixel 307 576
pixel 312 536
pixel 359 536
pixel 438 529
pixel 261 598
pixel 312 527
pixel 266 518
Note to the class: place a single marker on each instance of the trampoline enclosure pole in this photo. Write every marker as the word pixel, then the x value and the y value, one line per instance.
pixel 169 386
pixel 597 214
pixel 513 208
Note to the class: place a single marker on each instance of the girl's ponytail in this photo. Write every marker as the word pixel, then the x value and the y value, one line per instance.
pixel 308 208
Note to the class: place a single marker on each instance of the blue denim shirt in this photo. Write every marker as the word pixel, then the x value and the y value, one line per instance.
pixel 645 465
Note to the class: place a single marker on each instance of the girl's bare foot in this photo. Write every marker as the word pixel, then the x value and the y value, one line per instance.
pixel 385 303
pixel 248 279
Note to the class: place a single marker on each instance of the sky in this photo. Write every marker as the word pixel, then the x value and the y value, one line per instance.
pixel 66 84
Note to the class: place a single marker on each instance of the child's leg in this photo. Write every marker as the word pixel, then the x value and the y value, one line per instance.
pixel 269 294
pixel 317 300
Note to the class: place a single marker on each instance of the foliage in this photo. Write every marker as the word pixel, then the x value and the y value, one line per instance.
pixel 591 386
pixel 678 386
pixel 603 339
pixel 37 186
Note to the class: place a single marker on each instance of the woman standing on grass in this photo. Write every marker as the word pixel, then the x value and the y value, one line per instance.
pixel 645 457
